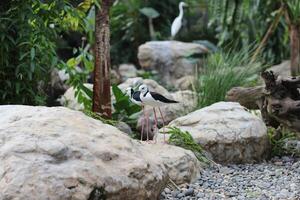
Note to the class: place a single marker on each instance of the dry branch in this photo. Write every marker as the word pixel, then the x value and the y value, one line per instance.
pixel 278 100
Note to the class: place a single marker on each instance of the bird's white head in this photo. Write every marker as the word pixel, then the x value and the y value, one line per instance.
pixel 129 91
pixel 143 89
pixel 182 4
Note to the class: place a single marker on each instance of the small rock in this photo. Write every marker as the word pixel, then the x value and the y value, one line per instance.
pixel 167 190
pixel 294 187
pixel 189 192
pixel 200 195
pixel 175 193
pixel 279 163
pixel 180 195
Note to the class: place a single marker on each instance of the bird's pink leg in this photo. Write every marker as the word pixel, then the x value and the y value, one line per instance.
pixel 143 123
pixel 147 121
pixel 155 126
pixel 163 124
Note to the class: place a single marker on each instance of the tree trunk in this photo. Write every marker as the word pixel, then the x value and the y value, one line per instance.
pixel 295 50
pixel 101 89
pixel 279 100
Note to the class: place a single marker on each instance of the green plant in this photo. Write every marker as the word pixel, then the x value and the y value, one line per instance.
pixel 224 70
pixel 278 140
pixel 242 22
pixel 185 140
pixel 78 69
pixel 28 32
pixel 125 110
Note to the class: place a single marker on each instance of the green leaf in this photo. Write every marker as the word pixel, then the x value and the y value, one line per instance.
pixel 87 91
pixel 149 12
pixel 32 66
pixel 119 95
pixel 32 53
pixel 71 62
pixel 17 88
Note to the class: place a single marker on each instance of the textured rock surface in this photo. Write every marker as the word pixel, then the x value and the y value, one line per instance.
pixel 170 58
pixel 56 87
pixel 56 153
pixel 292 146
pixel 228 132
pixel 185 83
pixel 127 71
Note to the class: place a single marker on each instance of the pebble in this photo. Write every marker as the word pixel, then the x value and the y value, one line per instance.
pixel 189 192
pixel 180 195
pixel 200 195
pixel 278 178
pixel 167 190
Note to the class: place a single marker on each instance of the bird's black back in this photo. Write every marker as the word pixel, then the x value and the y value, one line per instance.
pixel 161 98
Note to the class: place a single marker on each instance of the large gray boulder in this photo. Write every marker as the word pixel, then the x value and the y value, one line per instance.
pixel 56 153
pixel 170 58
pixel 228 132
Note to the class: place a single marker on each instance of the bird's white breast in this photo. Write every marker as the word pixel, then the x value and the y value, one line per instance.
pixel 176 25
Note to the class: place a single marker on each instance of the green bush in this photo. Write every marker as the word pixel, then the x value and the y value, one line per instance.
pixel 278 139
pixel 222 71
pixel 240 23
pixel 28 31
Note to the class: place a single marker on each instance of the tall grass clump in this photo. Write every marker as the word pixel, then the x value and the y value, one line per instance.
pixel 224 70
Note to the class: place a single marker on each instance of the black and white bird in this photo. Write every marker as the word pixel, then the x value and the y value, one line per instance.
pixel 154 100
pixel 135 98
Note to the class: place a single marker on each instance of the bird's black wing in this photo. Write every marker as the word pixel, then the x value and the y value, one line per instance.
pixel 136 96
pixel 161 98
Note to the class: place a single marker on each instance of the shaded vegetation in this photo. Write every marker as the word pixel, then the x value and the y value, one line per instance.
pixel 278 139
pixel 185 140
pixel 224 70
pixel 28 32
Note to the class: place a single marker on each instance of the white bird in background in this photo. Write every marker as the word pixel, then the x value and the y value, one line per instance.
pixel 154 100
pixel 177 23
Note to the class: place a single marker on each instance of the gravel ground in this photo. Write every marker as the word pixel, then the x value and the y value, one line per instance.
pixel 276 179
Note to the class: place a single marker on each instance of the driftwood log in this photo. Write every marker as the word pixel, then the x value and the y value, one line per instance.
pixel 278 100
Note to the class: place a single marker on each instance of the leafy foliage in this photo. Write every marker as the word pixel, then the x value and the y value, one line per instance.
pixel 242 22
pixel 125 110
pixel 223 71
pixel 78 70
pixel 278 140
pixel 28 32
pixel 293 7
pixel 185 140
